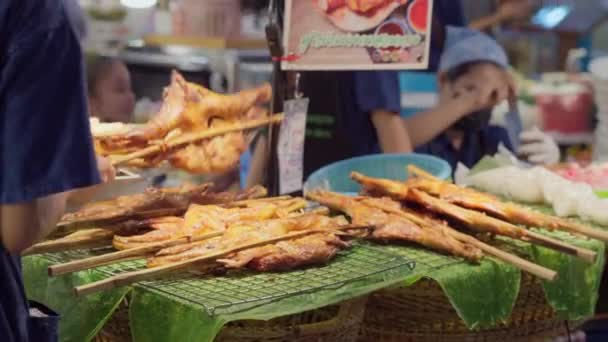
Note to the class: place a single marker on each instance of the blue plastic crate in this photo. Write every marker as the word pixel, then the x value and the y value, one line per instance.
pixel 336 177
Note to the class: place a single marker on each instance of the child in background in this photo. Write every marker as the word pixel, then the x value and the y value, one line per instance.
pixel 472 137
pixel 110 95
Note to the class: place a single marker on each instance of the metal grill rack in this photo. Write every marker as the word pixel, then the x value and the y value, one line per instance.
pixel 242 290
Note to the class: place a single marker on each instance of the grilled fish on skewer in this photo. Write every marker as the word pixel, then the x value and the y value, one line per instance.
pixel 316 248
pixel 393 227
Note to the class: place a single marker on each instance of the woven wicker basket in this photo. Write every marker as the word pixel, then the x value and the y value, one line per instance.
pixel 337 323
pixel 422 312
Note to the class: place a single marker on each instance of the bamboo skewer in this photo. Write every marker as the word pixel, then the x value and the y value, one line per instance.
pixel 105 259
pixel 101 238
pixel 245 203
pixel 522 264
pixel 145 274
pixel 543 240
pixel 196 137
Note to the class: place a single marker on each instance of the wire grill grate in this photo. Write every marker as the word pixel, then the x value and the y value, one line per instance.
pixel 241 290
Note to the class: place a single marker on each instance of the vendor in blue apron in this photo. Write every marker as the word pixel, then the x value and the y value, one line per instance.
pixel 351 114
pixel 471 136
pixel 45 148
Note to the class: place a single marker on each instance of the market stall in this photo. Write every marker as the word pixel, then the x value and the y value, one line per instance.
pixel 491 298
pixel 379 248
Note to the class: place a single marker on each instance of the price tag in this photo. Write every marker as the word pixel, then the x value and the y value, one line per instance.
pixel 290 147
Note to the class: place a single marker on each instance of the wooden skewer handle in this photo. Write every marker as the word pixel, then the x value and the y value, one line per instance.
pixel 63 244
pixel 583 253
pixel 522 264
pixel 191 138
pixel 588 232
pixel 145 274
pixel 105 259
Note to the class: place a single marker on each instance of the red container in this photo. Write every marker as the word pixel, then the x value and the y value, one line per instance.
pixel 566 112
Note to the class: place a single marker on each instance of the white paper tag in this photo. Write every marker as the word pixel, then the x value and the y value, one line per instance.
pixel 290 147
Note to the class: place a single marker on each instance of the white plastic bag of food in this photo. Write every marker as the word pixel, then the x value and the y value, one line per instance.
pixel 522 185
pixel 487 180
pixel 595 210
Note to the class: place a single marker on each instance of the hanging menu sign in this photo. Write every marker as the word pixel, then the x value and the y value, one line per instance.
pixel 357 34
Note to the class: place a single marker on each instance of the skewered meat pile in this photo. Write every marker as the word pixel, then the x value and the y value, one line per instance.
pixel 189 108
pixel 275 234
pixel 155 200
pixel 204 219
pixel 391 227
pixel 467 204
pixel 312 249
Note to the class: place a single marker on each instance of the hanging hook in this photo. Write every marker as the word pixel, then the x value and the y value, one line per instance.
pixel 297 93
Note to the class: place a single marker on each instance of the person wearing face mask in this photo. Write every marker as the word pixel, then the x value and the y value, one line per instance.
pixel 467 111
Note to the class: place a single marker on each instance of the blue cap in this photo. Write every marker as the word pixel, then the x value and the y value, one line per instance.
pixel 464 46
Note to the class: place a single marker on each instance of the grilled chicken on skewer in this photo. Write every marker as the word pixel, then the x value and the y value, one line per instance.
pixel 472 219
pixel 200 220
pixel 391 227
pixel 472 199
pixel 188 107
pixel 125 208
pixel 426 221
pixel 312 249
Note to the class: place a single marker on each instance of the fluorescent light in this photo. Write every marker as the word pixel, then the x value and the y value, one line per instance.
pixel 138 3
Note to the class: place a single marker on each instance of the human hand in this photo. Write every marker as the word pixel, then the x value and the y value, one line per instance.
pixel 106 169
pixel 539 148
pixel 514 9
pixel 491 83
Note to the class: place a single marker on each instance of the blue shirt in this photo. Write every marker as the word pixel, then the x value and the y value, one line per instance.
pixel 339 124
pixel 45 142
pixel 474 146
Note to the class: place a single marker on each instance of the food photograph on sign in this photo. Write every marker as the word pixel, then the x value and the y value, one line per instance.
pixel 357 34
